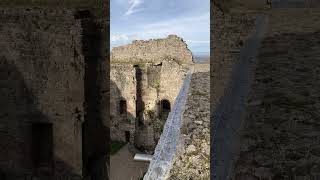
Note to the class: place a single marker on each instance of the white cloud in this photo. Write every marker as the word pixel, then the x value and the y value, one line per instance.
pixel 181 25
pixel 134 4
pixel 195 30
pixel 119 37
pixel 185 21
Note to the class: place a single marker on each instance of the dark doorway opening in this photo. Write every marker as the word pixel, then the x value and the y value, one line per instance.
pixel 123 107
pixel 42 147
pixel 165 108
pixel 127 135
pixel 165 105
pixel 95 131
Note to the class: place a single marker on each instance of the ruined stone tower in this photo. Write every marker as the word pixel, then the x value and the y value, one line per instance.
pixel 146 77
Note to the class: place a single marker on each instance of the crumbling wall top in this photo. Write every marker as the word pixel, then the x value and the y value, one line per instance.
pixel 153 51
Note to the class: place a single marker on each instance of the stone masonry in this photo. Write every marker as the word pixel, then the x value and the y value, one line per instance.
pixel 155 51
pixel 279 138
pixel 230 29
pixel 46 62
pixel 147 75
pixel 192 160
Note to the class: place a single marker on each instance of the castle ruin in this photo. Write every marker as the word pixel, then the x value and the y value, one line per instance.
pixel 146 77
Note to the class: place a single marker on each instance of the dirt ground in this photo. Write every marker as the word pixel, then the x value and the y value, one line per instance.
pixel 123 167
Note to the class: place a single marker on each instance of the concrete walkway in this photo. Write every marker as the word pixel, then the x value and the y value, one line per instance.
pixel 123 167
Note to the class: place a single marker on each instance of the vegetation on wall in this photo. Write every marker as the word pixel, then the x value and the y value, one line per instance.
pixel 156 84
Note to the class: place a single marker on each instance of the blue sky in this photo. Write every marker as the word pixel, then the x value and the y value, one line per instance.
pixel 151 19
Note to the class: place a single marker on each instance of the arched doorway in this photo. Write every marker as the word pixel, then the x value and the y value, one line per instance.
pixel 165 105
pixel 165 108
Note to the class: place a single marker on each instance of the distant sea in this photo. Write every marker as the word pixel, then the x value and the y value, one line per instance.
pixel 201 57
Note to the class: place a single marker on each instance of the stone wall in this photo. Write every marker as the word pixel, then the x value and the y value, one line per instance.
pixel 171 79
pixel 229 32
pixel 279 138
pixel 144 85
pixel 192 157
pixel 122 87
pixel 165 87
pixel 166 148
pixel 95 6
pixel 147 84
pixel 45 60
pixel 41 48
pixel 153 51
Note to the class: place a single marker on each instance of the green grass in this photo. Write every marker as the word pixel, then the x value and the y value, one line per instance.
pixel 116 146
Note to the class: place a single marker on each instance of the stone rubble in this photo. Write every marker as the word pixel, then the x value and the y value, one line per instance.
pixel 192 159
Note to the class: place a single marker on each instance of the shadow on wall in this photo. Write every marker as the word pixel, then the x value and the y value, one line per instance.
pixel 125 126
pixel 286 84
pixel 26 133
pixel 96 134
pixel 23 153
pixel 120 116
pixel 139 102
pixel 121 122
pixel 280 87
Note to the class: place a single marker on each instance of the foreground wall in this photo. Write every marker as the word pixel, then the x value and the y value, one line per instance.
pixel 42 81
pixel 229 34
pixel 279 132
pixel 52 71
